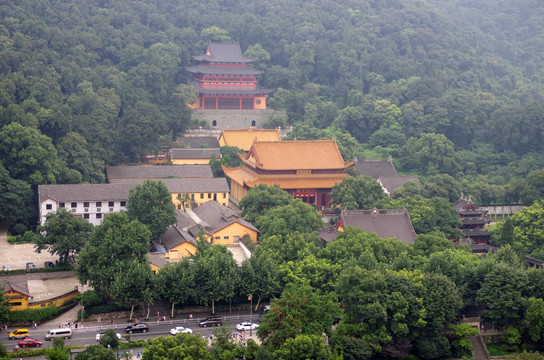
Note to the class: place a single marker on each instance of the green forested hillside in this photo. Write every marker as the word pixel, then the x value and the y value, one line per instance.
pixel 95 82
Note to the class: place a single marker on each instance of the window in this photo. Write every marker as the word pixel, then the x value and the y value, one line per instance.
pixel 61 204
pixel 110 203
pixel 224 195
pixel 85 216
pixel 193 197
pixel 123 203
pixel 218 238
pixel 15 304
pixel 86 204
pixel 253 123
pixel 214 123
pixel 258 101
pixel 201 195
pixel 49 206
pixel 179 206
pixel 73 204
pixel 99 204
pixel 179 196
pixel 209 195
pixel 225 237
pixel 99 216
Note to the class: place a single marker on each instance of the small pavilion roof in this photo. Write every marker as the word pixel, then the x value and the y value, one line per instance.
pixel 244 138
pixel 17 283
pixel 224 52
pixel 385 223
pixel 296 155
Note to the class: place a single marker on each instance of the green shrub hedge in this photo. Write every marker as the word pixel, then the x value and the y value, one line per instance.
pixel 32 315
pixel 38 270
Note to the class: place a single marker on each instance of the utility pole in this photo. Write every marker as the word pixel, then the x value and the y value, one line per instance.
pixel 250 298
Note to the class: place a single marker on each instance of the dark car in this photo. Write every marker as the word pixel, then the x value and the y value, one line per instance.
pixel 48 264
pixel 139 327
pixel 211 321
pixel 29 342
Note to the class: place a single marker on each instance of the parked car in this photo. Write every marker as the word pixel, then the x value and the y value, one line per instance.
pixel 48 264
pixel 30 265
pixel 99 335
pixel 6 268
pixel 246 325
pixel 180 329
pixel 29 342
pixel 211 321
pixel 19 334
pixel 138 327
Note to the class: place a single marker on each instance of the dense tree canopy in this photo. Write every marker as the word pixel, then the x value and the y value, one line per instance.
pixel 151 204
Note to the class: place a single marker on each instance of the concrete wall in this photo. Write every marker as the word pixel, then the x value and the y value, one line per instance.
pixel 236 119
pixel 502 209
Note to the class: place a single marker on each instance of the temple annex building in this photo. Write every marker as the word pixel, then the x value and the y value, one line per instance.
pixel 306 169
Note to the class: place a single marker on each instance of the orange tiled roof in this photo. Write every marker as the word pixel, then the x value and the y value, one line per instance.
pixel 296 155
pixel 244 138
pixel 244 176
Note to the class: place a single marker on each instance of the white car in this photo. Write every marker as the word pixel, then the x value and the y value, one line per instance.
pixel 103 332
pixel 180 329
pixel 246 325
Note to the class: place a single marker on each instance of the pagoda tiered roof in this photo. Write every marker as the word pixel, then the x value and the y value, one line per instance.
pixel 223 52
pixel 223 70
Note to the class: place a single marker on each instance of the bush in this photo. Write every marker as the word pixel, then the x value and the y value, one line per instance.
pixel 104 308
pixel 23 353
pixel 32 315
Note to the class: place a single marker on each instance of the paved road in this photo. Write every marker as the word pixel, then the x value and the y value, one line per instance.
pixel 86 335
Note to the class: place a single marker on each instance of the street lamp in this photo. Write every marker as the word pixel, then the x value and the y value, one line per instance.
pixel 250 298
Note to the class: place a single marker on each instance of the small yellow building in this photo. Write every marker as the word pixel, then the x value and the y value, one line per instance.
pixel 244 138
pixel 193 156
pixel 16 291
pixel 220 225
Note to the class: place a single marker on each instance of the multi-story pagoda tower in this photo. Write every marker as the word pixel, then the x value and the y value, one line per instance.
pixel 225 82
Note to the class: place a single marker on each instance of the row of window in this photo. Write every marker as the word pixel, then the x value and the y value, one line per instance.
pixel 73 205
pixel 201 196
pixel 219 238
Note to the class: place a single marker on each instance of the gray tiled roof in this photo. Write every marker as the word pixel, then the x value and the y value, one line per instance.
pixel 15 282
pixel 174 237
pixel 157 259
pixel 184 221
pixel 118 190
pixel 224 52
pixel 189 185
pixel 195 153
pixel 392 183
pixel 219 217
pixel 158 171
pixel 198 142
pixel 84 192
pixel 395 223
pixel 375 168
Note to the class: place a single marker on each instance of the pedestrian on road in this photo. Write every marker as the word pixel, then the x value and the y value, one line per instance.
pixel 139 354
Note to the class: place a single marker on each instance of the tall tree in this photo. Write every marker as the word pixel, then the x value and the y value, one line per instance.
pixel 134 283
pixel 300 310
pixel 151 204
pixel 16 198
pixel 287 219
pixel 118 239
pixel 63 234
pixel 176 282
pixel 215 276
pixel 430 154
pixel 361 192
pixel 262 198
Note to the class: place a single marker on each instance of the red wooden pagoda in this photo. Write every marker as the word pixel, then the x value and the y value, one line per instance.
pixel 225 82
pixel 473 219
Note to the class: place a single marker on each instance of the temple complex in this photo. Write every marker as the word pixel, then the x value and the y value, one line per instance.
pixel 306 169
